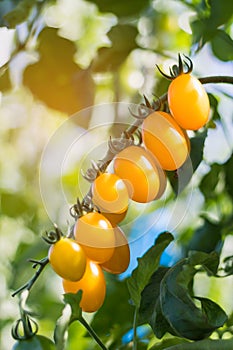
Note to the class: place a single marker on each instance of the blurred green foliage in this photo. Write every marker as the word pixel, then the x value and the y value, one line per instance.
pixel 50 68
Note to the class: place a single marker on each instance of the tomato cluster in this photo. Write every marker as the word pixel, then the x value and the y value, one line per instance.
pixel 98 244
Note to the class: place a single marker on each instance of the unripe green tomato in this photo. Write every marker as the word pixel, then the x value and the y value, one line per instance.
pixel 37 342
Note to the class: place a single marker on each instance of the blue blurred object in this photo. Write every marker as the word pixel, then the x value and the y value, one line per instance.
pixel 142 332
pixel 144 231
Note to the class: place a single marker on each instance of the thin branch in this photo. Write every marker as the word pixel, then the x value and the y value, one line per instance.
pixel 135 328
pixel 41 263
pixel 92 333
pixel 216 79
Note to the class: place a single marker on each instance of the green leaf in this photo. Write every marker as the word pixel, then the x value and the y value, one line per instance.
pixel 228 167
pixel 147 265
pixel 55 79
pixel 123 41
pixel 210 180
pixel 208 21
pixel 154 314
pixel 158 322
pixel 201 238
pixel 150 295
pixel 73 300
pixel 222 46
pixel 71 312
pixel 207 344
pixel 186 319
pixel 209 261
pixel 166 343
pixel 180 178
pixel 20 13
pixel 214 106
pixel 221 12
pixel 121 8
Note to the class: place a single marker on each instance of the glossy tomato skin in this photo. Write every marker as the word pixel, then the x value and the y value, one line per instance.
pixel 93 286
pixel 165 139
pixel 37 342
pixel 138 169
pixel 96 236
pixel 110 195
pixel 188 102
pixel 120 259
pixel 67 259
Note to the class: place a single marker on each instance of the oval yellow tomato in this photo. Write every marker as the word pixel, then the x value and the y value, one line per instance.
pixel 67 259
pixel 138 169
pixel 96 236
pixel 120 259
pixel 165 139
pixel 188 102
pixel 93 286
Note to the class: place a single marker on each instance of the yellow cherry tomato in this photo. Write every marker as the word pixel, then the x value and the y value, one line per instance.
pixel 93 286
pixel 165 139
pixel 109 194
pixel 67 259
pixel 120 259
pixel 96 236
pixel 188 102
pixel 138 169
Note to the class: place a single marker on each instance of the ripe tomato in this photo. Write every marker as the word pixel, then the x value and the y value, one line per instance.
pixel 115 218
pixel 119 261
pixel 138 169
pixel 37 342
pixel 68 259
pixel 188 102
pixel 96 236
pixel 165 139
pixel 110 194
pixel 93 286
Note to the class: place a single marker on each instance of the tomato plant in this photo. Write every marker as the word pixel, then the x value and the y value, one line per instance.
pixel 165 139
pixel 93 287
pixel 96 236
pixel 68 259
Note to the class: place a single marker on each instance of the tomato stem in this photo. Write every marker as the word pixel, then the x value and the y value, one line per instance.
pixel 41 263
pixel 92 333
pixel 135 328
pixel 216 79
pixel 26 322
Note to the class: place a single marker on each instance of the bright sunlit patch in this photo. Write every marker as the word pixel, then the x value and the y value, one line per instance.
pixel 135 80
pixel 120 185
pixel 103 224
pixel 94 269
pixel 147 163
pixel 7 43
pixel 184 21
